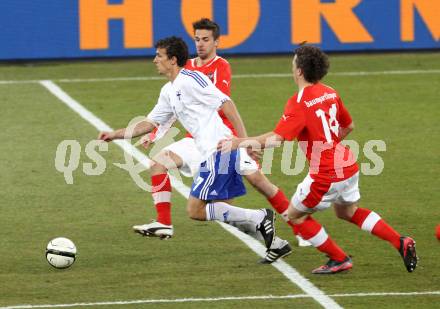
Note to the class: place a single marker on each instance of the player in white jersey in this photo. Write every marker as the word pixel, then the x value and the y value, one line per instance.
pixel 183 153
pixel 191 98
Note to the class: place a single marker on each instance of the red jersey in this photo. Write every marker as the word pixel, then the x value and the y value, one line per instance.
pixel 219 72
pixel 313 116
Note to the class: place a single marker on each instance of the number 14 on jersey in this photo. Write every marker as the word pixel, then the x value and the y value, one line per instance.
pixel 332 125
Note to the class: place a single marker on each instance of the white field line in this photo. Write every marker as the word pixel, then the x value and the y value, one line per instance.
pixel 264 75
pixel 288 271
pixel 216 299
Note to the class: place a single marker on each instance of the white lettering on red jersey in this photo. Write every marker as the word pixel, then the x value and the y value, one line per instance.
pixel 313 117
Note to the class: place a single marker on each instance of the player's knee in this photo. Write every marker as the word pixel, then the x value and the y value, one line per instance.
pixel 194 213
pixel 342 215
pixel 295 216
pixel 167 160
pixel 190 212
pixel 345 212
pixel 158 168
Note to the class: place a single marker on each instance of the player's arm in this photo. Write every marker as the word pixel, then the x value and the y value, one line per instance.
pixel 140 128
pixel 160 114
pixel 289 126
pixel 346 124
pixel 343 132
pixel 266 140
pixel 157 133
pixel 230 111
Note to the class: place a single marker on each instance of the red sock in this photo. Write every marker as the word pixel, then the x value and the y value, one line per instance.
pixel 280 203
pixel 371 222
pixel 162 197
pixel 313 232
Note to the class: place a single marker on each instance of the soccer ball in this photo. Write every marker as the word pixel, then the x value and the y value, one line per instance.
pixel 60 252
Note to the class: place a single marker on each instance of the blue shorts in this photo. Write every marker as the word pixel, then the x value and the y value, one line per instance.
pixel 218 179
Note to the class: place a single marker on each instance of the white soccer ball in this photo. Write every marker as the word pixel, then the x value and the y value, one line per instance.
pixel 61 252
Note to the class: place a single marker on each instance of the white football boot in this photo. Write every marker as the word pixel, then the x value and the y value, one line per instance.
pixel 280 248
pixel 154 229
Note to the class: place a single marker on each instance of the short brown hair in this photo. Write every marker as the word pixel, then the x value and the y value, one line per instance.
pixel 175 47
pixel 313 62
pixel 207 24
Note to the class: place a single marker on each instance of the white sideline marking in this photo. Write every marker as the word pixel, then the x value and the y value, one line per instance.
pixel 258 248
pixel 265 75
pixel 187 300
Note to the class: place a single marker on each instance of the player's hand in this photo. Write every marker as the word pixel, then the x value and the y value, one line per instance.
pixel 254 154
pixel 147 140
pixel 228 144
pixel 106 136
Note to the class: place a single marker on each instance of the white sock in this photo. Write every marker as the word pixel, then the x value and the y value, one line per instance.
pixel 234 215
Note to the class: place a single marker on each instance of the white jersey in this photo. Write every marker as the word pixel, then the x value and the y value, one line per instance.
pixel 194 100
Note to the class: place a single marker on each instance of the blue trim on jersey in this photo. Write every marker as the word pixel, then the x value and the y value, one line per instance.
pixel 218 178
pixel 196 77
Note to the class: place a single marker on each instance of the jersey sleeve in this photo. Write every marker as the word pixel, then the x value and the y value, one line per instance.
pixel 292 121
pixel 162 111
pixel 343 117
pixel 163 129
pixel 224 77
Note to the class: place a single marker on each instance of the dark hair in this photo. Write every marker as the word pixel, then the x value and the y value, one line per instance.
pixel 313 62
pixel 207 24
pixel 175 47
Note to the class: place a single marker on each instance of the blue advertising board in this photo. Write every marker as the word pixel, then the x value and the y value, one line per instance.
pixel 51 29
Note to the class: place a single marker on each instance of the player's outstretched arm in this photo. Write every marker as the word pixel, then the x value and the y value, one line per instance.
pixel 266 140
pixel 231 112
pixel 138 129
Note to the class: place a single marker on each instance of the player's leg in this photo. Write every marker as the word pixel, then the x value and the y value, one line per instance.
pixel 309 197
pixel 182 155
pixel 368 221
pixel 275 196
pixel 161 185
pixel 161 193
pixel 249 168
pixel 250 221
pixel 218 180
pixel 280 247
pixel 347 208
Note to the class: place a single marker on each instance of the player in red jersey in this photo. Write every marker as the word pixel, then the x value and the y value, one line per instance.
pixel 318 119
pixel 184 155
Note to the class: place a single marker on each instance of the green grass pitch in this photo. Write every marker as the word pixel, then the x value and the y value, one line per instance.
pixel 203 260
